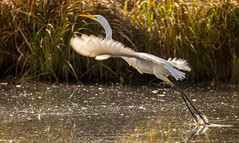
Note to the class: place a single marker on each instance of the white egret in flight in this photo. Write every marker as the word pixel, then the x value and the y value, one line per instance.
pixel 102 49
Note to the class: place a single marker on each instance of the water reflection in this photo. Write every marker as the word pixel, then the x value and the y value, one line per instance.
pixel 198 130
pixel 202 129
pixel 101 113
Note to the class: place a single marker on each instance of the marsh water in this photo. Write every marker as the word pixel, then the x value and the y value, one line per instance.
pixel 114 113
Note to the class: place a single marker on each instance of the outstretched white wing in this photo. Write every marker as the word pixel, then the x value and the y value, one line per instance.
pixel 99 48
pixel 102 49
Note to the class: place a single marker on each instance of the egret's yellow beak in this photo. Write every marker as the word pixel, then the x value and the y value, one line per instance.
pixel 88 16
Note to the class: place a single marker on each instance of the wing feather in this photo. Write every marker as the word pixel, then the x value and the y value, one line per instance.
pixel 159 61
pixel 92 46
pixel 179 64
pixel 102 49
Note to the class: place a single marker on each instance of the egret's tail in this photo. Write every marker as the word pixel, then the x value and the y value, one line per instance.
pixel 179 64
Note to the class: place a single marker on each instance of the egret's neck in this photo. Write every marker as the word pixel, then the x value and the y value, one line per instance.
pixel 108 32
pixel 106 26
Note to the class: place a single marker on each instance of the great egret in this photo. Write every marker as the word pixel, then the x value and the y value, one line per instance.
pixel 102 49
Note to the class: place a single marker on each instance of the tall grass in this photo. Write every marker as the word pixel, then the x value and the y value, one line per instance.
pixel 35 36
pixel 206 33
pixel 36 33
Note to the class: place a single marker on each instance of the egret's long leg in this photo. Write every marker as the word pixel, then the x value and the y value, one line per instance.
pixel 203 117
pixel 186 99
pixel 190 102
pixel 184 95
pixel 189 109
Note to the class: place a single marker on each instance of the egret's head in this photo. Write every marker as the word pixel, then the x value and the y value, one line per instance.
pixel 103 22
pixel 98 18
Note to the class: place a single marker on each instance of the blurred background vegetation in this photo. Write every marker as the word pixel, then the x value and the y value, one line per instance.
pixel 35 34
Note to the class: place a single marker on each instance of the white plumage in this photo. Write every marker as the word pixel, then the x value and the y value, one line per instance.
pixel 102 49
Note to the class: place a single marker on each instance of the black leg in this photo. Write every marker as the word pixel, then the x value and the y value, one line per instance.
pixel 194 116
pixel 186 101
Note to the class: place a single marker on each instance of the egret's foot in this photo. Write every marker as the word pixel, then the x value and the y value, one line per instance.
pixel 205 119
pixel 201 119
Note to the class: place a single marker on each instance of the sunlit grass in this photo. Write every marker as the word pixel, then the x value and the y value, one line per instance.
pixel 35 36
pixel 203 32
pixel 38 32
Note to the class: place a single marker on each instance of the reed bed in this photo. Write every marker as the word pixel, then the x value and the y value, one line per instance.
pixel 35 36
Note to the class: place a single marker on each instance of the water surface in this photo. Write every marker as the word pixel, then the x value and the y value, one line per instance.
pixel 114 113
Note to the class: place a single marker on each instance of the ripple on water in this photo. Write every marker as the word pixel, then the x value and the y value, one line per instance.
pixel 116 113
